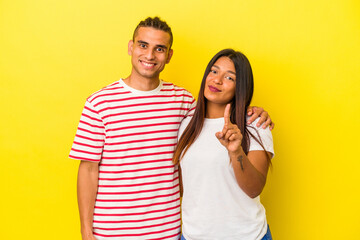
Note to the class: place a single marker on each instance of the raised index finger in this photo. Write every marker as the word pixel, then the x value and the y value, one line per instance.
pixel 227 114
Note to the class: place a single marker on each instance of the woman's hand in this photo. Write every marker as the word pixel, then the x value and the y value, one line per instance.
pixel 230 137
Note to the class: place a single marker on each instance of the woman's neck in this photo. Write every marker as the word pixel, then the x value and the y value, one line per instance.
pixel 214 110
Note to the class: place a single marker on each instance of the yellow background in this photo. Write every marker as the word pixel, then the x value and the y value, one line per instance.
pixel 305 57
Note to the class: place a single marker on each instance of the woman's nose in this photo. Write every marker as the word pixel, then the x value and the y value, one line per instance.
pixel 217 79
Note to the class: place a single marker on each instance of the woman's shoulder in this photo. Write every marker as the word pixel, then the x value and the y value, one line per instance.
pixel 263 135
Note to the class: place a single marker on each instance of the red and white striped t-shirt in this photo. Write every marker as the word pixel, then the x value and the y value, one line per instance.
pixel 133 134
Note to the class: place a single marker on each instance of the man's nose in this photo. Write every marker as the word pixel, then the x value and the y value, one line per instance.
pixel 149 54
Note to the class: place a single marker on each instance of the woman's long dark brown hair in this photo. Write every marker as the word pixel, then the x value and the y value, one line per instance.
pixel 243 94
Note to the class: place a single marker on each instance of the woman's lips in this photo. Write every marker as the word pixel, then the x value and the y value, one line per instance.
pixel 214 89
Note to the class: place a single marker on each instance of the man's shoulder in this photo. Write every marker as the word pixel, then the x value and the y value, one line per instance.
pixel 108 90
pixel 168 86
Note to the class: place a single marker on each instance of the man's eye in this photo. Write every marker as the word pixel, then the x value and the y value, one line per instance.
pixel 142 45
pixel 160 50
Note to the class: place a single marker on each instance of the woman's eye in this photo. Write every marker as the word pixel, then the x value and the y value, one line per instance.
pixel 230 78
pixel 213 71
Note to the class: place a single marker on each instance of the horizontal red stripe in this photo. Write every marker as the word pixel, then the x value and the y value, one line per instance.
pixel 91 125
pixel 144 126
pixel 139 148
pixel 86 145
pixel 108 87
pixel 138 199
pixel 82 158
pixel 137 170
pixel 92 118
pixel 142 97
pixel 145 104
pixel 171 89
pixel 91 110
pixel 143 133
pixel 143 111
pixel 137 177
pixel 166 237
pixel 142 227
pixel 139 206
pixel 87 152
pixel 139 155
pixel 142 140
pixel 135 185
pixel 135 235
pixel 137 192
pixel 96 133
pixel 144 118
pixel 91 139
pixel 139 220
pixel 134 214
pixel 110 94
pixel 135 163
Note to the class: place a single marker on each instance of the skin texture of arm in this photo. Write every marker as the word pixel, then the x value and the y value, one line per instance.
pixel 250 170
pixel 86 191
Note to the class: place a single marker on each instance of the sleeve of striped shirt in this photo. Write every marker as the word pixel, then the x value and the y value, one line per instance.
pixel 90 136
pixel 191 111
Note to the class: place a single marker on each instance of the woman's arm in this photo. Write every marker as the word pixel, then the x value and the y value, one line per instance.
pixel 250 170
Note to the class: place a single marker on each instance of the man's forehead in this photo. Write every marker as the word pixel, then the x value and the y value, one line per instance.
pixel 152 36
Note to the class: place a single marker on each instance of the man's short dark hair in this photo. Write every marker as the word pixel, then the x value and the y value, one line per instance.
pixel 156 23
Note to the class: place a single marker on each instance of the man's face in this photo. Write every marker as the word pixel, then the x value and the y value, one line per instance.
pixel 149 52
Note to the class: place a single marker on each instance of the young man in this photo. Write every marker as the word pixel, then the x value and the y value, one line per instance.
pixel 128 187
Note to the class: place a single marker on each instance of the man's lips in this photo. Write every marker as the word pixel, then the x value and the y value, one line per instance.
pixel 214 89
pixel 147 64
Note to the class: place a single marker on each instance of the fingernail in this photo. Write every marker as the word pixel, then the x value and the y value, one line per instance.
pixel 258 125
pixel 248 122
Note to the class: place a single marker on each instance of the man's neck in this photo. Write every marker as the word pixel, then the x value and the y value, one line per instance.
pixel 141 83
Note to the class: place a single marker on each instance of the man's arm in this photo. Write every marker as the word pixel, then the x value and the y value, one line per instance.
pixel 86 191
pixel 264 120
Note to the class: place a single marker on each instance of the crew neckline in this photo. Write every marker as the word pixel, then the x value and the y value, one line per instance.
pixel 214 120
pixel 139 92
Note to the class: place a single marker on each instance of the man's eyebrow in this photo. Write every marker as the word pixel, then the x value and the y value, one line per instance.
pixel 143 42
pixel 162 46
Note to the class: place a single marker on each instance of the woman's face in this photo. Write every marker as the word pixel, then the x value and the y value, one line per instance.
pixel 220 82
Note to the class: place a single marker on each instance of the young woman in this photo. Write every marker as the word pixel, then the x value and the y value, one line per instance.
pixel 224 162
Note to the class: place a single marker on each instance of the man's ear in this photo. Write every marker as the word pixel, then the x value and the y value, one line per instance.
pixel 130 47
pixel 169 56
